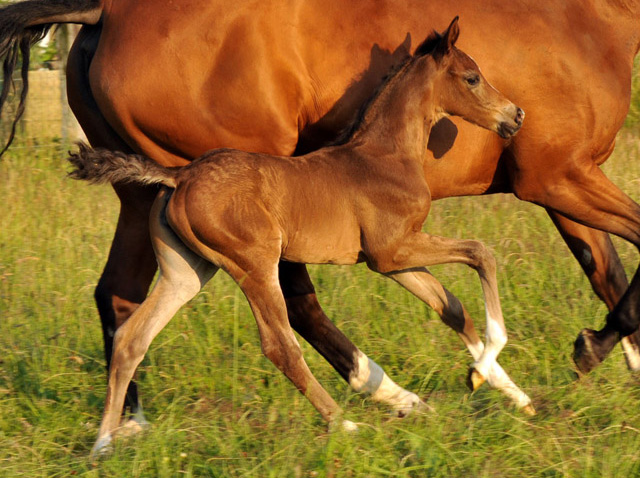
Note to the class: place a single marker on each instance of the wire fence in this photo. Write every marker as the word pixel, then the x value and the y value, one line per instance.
pixel 47 118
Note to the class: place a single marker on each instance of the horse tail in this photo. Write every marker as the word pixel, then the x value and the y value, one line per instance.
pixel 25 23
pixel 102 165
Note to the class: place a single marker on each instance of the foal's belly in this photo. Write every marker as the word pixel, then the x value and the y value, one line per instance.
pixel 331 241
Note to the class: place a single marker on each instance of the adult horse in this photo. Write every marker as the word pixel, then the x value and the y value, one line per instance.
pixel 173 79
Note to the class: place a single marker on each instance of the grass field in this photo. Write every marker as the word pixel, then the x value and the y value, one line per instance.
pixel 219 409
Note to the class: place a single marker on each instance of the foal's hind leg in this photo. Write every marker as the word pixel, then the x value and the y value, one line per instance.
pixel 182 275
pixel 427 288
pixel 126 277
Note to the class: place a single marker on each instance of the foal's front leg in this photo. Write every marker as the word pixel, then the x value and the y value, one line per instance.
pixel 423 250
pixel 427 288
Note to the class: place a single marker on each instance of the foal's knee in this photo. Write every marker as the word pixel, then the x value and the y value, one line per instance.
pixel 481 257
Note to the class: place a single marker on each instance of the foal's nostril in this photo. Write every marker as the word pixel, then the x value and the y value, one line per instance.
pixel 519 116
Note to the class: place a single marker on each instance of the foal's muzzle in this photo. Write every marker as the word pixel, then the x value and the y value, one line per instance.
pixel 510 127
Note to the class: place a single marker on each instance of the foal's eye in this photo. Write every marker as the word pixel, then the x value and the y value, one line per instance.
pixel 472 80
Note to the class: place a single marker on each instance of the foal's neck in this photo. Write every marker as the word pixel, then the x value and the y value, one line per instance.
pixel 399 118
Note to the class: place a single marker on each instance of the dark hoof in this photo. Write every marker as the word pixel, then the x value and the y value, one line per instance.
pixel 584 351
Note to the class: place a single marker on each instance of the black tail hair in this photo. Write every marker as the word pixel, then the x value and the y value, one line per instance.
pixel 21 26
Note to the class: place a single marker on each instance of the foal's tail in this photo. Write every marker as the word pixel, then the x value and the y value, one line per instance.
pixel 23 24
pixel 102 165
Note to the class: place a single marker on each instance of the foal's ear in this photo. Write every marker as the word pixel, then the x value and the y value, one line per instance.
pixel 452 33
pixel 438 45
pixel 447 40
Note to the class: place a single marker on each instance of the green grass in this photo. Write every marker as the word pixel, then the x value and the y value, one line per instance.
pixel 218 408
pixel 633 118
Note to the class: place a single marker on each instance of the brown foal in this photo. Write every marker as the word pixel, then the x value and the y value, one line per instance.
pixel 363 199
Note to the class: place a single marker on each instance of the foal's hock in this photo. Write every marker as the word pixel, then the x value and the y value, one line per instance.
pixel 364 199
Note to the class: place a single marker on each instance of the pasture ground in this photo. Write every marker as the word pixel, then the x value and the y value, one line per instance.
pixel 219 409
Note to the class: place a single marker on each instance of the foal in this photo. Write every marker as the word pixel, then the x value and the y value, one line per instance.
pixel 363 199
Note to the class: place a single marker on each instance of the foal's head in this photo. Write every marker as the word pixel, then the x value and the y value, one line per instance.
pixel 460 89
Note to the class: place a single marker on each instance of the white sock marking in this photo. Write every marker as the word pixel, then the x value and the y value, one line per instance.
pixel 369 378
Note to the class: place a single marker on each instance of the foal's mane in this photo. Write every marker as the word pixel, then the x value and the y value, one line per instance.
pixel 427 47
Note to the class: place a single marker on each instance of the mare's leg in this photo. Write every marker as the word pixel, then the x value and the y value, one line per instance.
pixel 427 288
pixel 308 319
pixel 131 264
pixel 423 250
pixel 182 275
pixel 598 258
pixel 585 195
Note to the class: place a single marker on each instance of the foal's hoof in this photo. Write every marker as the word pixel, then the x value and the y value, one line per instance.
pixel 412 405
pixel 475 379
pixel 584 351
pixel 102 447
pixel 529 410
pixel 343 425
pixel 133 425
pixel 420 408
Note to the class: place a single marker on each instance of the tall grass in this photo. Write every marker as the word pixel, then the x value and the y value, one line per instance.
pixel 219 409
pixel 633 118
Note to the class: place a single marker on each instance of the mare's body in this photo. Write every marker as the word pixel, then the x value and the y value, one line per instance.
pixel 172 80
pixel 366 199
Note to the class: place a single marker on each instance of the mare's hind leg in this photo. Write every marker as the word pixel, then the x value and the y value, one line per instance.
pixel 427 288
pixel 182 275
pixel 363 374
pixel 598 258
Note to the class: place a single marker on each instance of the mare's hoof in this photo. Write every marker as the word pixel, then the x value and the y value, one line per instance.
pixel 475 379
pixel 529 410
pixel 584 355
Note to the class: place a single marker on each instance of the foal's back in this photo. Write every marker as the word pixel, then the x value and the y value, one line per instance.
pixel 308 208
